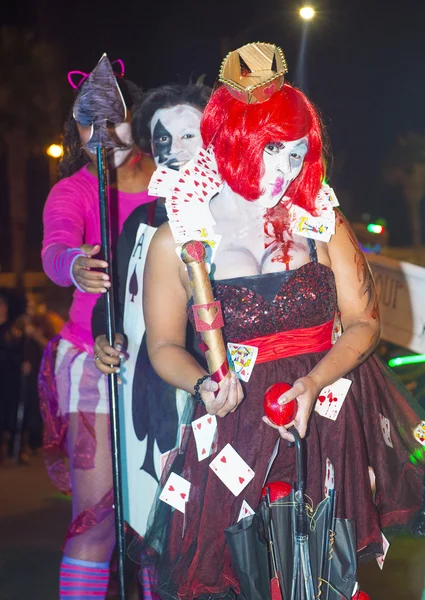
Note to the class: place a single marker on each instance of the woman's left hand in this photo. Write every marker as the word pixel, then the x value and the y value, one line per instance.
pixel 305 391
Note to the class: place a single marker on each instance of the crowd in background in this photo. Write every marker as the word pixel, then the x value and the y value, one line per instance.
pixel 26 326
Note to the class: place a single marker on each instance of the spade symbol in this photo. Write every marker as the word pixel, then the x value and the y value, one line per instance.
pixel 133 288
pixel 148 463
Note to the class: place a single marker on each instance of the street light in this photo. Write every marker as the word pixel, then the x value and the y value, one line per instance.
pixel 54 151
pixel 307 13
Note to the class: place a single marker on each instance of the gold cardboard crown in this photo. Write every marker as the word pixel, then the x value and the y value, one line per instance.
pixel 254 72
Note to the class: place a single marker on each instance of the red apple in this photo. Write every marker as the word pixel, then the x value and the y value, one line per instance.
pixel 277 490
pixel 279 414
pixel 361 596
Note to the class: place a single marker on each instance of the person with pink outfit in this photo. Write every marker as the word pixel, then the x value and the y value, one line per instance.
pixel 74 396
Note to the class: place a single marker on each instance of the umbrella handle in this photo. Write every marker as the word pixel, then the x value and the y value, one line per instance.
pixel 301 521
pixel 299 457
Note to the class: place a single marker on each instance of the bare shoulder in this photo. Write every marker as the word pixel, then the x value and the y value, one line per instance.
pixel 163 234
pixel 343 231
pixel 164 254
pixel 163 240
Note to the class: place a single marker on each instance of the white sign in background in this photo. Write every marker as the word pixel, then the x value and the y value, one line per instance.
pixel 401 292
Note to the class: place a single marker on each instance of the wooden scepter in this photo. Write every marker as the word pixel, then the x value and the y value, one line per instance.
pixel 206 311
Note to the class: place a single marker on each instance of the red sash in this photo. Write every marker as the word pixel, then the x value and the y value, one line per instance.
pixel 292 343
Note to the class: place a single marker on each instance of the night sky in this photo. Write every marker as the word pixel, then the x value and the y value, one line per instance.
pixel 365 66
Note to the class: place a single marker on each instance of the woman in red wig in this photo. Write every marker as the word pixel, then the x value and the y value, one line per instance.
pixel 286 266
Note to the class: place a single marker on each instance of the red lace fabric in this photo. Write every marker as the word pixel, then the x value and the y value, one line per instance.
pixel 55 424
pixel 55 444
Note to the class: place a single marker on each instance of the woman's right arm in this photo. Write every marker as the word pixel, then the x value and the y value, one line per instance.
pixel 165 301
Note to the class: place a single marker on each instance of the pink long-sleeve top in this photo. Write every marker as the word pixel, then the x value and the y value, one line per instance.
pixel 71 218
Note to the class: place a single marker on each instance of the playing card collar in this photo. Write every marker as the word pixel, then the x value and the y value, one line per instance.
pixel 188 192
pixel 187 195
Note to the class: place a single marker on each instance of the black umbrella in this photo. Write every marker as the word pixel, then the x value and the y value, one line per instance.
pixel 312 554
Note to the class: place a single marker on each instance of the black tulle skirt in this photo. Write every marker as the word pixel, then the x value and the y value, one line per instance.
pixel 189 551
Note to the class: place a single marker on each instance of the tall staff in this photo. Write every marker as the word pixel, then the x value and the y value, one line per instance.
pixel 105 229
pixel 99 107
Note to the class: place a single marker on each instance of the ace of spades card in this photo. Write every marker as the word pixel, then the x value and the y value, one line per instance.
pixel 232 470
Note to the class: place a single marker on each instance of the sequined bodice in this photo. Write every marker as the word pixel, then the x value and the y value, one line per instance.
pixel 265 304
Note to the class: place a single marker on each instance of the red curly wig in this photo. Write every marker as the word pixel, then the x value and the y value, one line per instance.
pixel 239 133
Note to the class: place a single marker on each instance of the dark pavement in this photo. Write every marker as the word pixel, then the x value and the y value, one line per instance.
pixel 34 518
pixel 33 523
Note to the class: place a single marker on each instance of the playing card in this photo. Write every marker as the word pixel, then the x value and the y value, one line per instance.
pixel 386 430
pixel 372 479
pixel 320 226
pixel 183 429
pixel 381 559
pixel 327 197
pixel 419 433
pixel 187 195
pixel 329 477
pixel 242 359
pixel 204 430
pixel 245 511
pixel 166 460
pixel 332 196
pixel 337 328
pixel 316 228
pixel 232 470
pixel 199 179
pixel 176 492
pixel 331 399
pixel 211 245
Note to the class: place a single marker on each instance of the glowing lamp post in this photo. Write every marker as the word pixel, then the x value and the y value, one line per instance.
pixel 54 152
pixel 307 13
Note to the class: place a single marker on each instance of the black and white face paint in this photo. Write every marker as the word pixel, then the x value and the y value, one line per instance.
pixel 175 135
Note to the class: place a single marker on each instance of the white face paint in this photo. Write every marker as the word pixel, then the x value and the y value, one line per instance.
pixel 121 133
pixel 283 162
pixel 175 135
pixel 118 156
